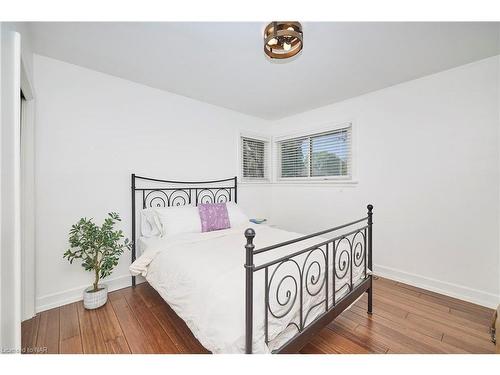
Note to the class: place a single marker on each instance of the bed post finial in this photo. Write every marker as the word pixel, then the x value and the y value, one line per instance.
pixel 370 261
pixel 249 266
pixel 249 234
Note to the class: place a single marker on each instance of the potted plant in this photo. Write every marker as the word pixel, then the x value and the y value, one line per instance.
pixel 99 248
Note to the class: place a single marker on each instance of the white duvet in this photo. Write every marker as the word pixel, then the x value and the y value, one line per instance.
pixel 201 276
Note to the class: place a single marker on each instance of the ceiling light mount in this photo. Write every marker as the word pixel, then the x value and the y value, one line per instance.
pixel 283 39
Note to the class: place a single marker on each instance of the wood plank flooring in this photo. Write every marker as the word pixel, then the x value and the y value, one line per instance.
pixel 136 320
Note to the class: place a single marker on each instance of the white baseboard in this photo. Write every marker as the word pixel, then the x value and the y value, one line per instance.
pixel 490 300
pixel 453 290
pixel 50 301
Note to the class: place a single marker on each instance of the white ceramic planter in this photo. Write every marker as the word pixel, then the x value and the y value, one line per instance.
pixel 93 300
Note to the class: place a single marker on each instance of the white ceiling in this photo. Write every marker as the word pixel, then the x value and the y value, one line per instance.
pixel 224 63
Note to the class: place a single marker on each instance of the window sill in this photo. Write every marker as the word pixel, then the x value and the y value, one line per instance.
pixel 256 182
pixel 339 183
pixel 333 183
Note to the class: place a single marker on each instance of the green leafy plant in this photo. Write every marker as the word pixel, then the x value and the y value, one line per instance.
pixel 98 247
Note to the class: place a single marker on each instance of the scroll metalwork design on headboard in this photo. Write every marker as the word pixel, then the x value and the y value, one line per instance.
pixel 156 193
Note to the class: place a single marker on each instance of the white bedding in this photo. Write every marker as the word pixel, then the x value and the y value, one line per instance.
pixel 201 276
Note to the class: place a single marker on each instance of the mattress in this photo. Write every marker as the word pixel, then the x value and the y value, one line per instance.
pixel 201 276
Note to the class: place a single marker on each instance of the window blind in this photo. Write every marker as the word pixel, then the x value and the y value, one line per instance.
pixel 316 156
pixel 254 159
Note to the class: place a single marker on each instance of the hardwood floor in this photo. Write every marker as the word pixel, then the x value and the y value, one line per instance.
pixel 136 320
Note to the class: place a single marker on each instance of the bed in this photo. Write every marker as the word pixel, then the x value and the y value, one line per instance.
pixel 250 288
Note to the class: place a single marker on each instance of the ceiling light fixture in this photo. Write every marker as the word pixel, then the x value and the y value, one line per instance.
pixel 283 39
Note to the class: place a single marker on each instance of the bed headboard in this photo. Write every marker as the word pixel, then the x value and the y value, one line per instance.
pixel 153 192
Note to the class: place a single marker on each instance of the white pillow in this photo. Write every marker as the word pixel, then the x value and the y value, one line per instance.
pixel 149 223
pixel 237 217
pixel 179 219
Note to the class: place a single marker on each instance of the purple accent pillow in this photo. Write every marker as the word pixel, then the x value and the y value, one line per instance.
pixel 213 216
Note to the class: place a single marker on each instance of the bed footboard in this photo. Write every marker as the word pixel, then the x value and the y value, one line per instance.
pixel 331 273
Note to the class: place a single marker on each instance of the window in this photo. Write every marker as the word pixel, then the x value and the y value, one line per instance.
pixel 254 159
pixel 319 156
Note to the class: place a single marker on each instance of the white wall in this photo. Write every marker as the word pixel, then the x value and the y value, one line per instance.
pixel 427 157
pixel 428 160
pixel 92 131
pixel 498 103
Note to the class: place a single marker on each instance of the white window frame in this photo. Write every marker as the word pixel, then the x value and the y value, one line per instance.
pixel 346 180
pixel 267 159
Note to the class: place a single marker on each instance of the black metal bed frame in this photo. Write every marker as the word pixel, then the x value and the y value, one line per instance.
pixel 317 268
